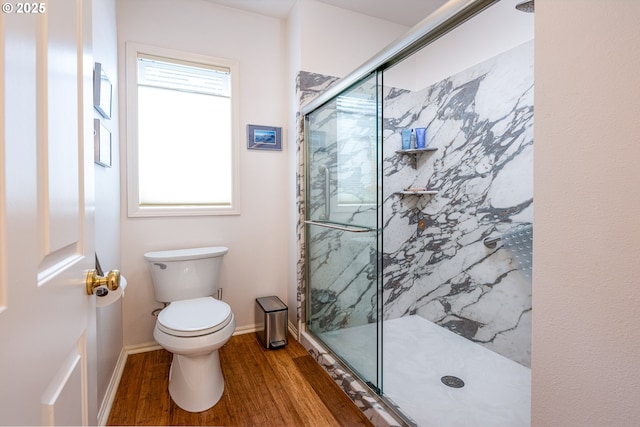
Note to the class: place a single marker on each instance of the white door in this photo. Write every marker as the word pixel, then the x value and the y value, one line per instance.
pixel 47 321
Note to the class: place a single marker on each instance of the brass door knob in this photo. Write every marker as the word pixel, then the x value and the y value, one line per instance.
pixel 111 280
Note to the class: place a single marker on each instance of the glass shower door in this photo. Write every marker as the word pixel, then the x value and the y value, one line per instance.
pixel 342 199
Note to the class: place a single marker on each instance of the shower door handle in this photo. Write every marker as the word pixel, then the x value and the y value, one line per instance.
pixel 348 228
pixel 323 169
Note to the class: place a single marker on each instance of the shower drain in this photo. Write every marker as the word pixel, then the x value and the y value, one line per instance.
pixel 451 381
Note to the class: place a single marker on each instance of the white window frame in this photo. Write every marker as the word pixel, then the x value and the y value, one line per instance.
pixel 134 209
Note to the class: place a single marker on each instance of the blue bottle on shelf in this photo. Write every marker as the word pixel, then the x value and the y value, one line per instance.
pixel 421 134
pixel 406 139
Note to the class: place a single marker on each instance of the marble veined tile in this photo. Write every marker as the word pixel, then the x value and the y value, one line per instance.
pixel 435 264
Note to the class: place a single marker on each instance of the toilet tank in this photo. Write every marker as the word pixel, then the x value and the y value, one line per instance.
pixel 182 274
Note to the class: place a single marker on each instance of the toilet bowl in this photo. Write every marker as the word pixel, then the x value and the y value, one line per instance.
pixel 193 328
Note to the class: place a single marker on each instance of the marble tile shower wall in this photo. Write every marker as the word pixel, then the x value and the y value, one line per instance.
pixel 434 262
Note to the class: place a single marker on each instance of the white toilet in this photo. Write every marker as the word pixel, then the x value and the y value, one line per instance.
pixel 194 325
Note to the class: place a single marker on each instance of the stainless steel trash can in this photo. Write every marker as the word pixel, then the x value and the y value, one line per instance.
pixel 271 322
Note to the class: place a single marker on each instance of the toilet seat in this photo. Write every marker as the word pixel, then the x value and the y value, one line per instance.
pixel 194 317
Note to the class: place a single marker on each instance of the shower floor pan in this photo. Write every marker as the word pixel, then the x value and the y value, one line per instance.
pixel 418 354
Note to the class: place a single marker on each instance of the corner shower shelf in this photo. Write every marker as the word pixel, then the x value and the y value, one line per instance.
pixel 416 150
pixel 416 191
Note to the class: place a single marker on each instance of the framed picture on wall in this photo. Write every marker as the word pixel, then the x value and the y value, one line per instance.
pixel 264 137
pixel 101 91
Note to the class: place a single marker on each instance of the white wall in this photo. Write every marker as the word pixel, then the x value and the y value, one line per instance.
pixel 336 41
pixel 256 264
pixel 107 197
pixel 494 31
pixel 294 43
pixel 586 339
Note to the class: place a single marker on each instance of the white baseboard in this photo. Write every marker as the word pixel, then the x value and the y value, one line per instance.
pixel 142 348
pixel 245 329
pixel 112 388
pixel 293 330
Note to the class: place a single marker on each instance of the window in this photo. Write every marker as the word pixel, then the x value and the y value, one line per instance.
pixel 181 133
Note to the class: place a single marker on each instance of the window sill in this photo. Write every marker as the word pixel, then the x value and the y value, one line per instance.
pixel 177 211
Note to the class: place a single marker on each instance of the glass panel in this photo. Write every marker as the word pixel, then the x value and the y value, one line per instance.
pixel 342 308
pixel 342 153
pixel 343 191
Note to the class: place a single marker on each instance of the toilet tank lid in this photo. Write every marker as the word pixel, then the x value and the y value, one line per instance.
pixel 183 254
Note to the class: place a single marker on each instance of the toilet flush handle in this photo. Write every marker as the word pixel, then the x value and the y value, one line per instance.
pixel 161 265
pixel 111 281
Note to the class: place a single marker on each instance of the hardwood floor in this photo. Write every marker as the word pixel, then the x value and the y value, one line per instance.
pixel 284 387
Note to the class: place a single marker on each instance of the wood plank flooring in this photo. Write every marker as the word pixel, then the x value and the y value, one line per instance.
pixel 284 387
